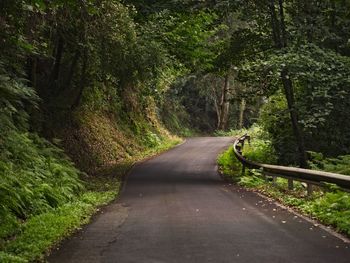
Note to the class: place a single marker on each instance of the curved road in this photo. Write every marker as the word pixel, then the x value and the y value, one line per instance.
pixel 176 208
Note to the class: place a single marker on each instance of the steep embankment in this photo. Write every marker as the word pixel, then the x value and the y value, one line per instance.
pixel 98 142
pixel 44 195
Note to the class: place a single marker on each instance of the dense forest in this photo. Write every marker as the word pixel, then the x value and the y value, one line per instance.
pixel 88 87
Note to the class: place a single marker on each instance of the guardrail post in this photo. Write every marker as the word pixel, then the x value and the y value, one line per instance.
pixel 292 174
pixel 290 184
pixel 265 176
pixel 243 169
pixel 309 189
pixel 274 180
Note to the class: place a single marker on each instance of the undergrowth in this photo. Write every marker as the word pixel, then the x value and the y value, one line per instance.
pixel 43 196
pixel 36 177
pixel 28 240
pixel 340 164
pixel 331 207
pixel 41 232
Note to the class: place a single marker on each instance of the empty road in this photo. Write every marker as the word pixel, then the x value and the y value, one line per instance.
pixel 176 208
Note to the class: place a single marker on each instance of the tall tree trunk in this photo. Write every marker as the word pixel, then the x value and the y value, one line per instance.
pixel 72 68
pixel 280 37
pixel 224 105
pixel 289 93
pixel 309 20
pixel 274 24
pixel 216 101
pixel 32 62
pixel 82 83
pixel 242 108
pixel 58 57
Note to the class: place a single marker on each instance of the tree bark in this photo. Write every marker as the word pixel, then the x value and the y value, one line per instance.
pixel 274 24
pixel 32 62
pixel 242 108
pixel 82 83
pixel 216 101
pixel 289 93
pixel 280 38
pixel 224 105
pixel 72 70
pixel 58 57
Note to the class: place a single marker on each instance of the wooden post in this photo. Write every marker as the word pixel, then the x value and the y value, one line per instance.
pixel 265 176
pixel 274 180
pixel 243 169
pixel 309 189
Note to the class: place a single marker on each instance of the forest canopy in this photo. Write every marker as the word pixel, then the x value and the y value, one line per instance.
pixel 207 65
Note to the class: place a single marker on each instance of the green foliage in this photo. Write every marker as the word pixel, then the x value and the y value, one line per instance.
pixel 229 166
pixel 101 98
pixel 274 119
pixel 50 227
pixel 259 150
pixel 320 78
pixel 176 119
pixel 252 180
pixel 187 36
pixel 35 175
pixel 340 164
pixel 151 139
pixel 9 258
pixel 13 95
pixel 334 209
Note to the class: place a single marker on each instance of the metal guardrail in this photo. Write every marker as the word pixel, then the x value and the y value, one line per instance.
pixel 311 177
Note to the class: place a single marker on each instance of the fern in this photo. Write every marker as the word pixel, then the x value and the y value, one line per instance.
pixel 35 175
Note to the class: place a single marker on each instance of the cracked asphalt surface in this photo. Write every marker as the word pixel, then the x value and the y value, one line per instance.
pixel 176 208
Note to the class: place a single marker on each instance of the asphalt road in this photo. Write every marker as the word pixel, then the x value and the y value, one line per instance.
pixel 176 208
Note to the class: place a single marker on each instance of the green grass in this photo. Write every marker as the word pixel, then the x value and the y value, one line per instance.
pixel 258 150
pixel 35 236
pixel 43 231
pixel 229 167
pixel 163 146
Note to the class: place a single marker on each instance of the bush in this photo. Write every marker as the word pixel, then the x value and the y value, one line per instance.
pixel 340 164
pixel 275 120
pixel 258 150
pixel 229 166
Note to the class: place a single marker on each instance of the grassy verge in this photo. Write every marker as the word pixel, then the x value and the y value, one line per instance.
pixel 43 231
pixel 330 206
pixel 36 235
